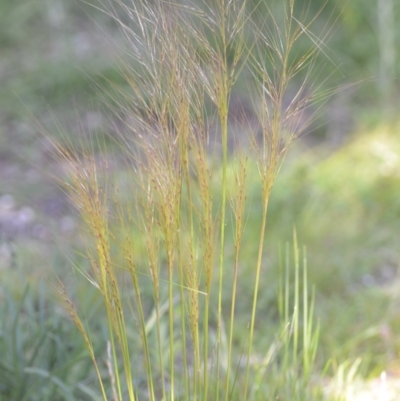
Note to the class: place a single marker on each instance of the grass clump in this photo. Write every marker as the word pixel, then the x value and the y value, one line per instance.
pixel 43 358
pixel 160 255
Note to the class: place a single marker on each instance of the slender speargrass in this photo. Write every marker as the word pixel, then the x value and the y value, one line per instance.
pixel 160 237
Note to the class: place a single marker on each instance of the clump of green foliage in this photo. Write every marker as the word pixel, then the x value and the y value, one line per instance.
pixel 43 357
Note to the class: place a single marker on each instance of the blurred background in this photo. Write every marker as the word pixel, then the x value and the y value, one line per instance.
pixel 339 187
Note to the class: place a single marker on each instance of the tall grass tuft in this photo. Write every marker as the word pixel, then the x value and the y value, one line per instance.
pixel 168 224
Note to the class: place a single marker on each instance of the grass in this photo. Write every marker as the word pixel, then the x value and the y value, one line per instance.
pixel 160 260
pixel 202 345
pixel 356 292
pixel 44 357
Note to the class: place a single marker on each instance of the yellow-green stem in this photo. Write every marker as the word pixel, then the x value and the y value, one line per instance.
pixel 205 355
pixel 256 285
pixel 234 287
pixel 160 346
pixel 171 329
pixel 114 355
pixel 145 342
pixel 224 126
pixel 296 300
